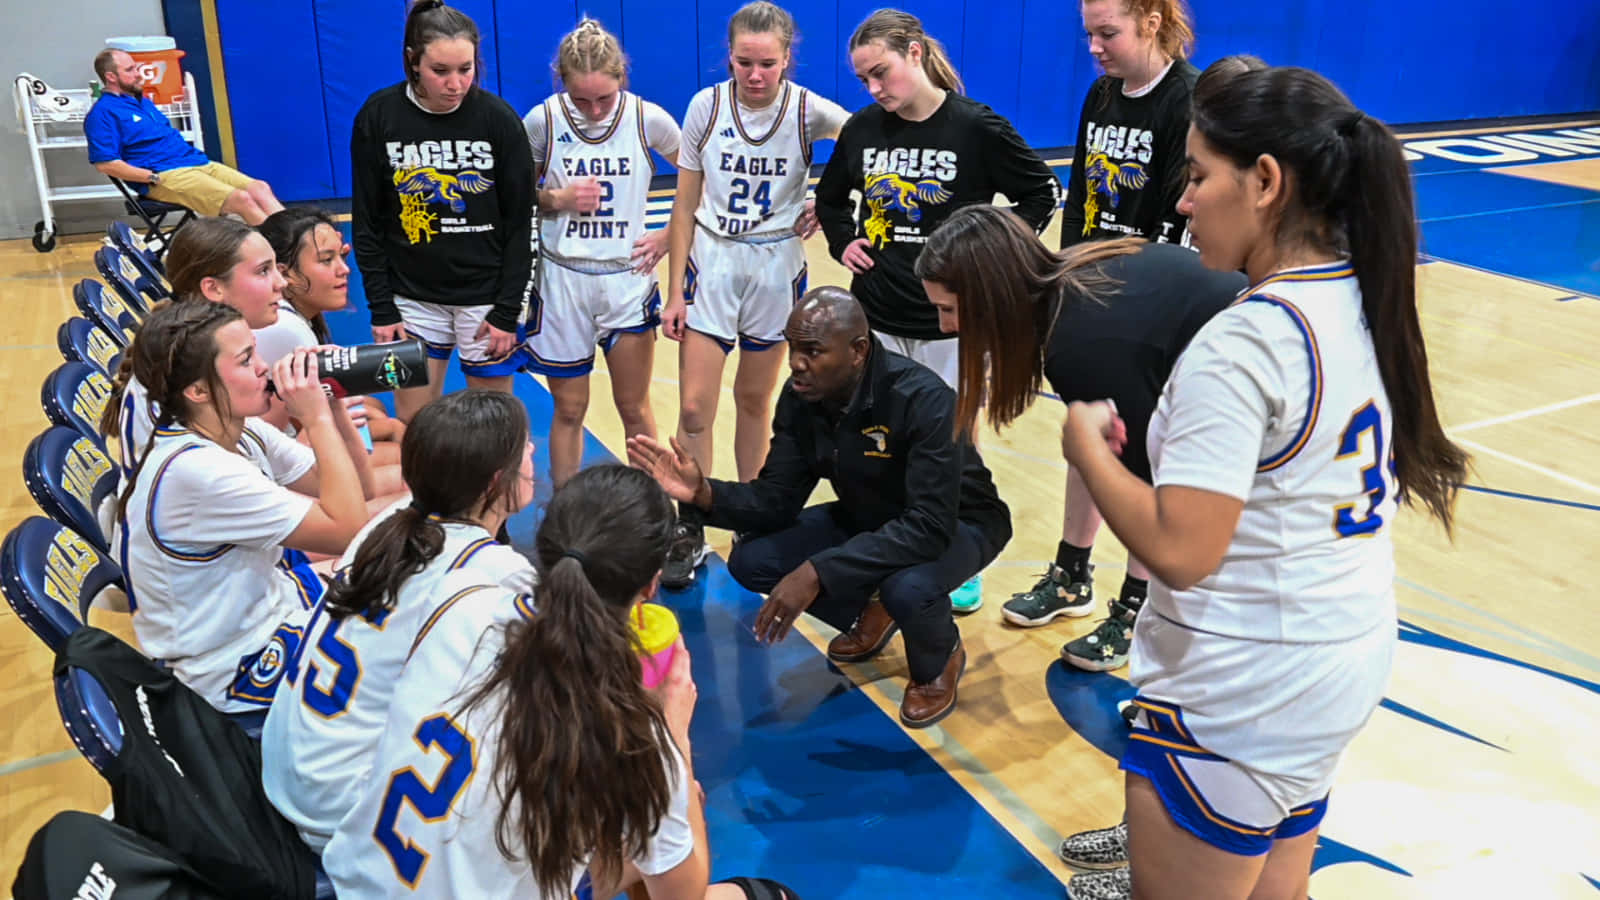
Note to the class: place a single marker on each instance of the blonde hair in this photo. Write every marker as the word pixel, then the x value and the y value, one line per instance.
pixel 590 48
pixel 761 17
pixel 898 30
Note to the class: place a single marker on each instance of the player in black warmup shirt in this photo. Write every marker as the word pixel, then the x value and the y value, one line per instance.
pixel 1128 161
pixel 442 212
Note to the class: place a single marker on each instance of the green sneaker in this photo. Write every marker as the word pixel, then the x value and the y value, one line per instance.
pixel 1106 647
pixel 967 599
pixel 1054 595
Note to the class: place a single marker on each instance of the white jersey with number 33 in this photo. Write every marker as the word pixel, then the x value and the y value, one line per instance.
pixel 1311 559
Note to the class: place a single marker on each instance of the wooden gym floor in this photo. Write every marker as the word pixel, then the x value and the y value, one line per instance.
pixel 1475 778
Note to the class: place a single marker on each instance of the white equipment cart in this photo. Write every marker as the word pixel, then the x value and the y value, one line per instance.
pixel 53 120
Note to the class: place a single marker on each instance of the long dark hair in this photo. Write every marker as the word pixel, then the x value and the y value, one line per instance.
pixel 287 230
pixel 1009 288
pixel 175 347
pixel 429 21
pixel 461 457
pixel 207 247
pixel 1350 192
pixel 583 765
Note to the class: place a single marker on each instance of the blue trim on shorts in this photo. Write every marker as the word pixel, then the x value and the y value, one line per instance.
pixel 725 344
pixel 510 364
pixel 551 368
pixel 1155 753
pixel 298 567
pixel 435 351
pixel 256 679
pixel 756 345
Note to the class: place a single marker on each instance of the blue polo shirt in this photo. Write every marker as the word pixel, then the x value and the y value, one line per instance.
pixel 133 130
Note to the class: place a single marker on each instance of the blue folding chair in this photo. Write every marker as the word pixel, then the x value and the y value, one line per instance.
pixel 89 716
pixel 50 576
pixel 69 476
pixel 123 238
pixel 75 395
pixel 153 213
pixel 106 309
pixel 83 341
pixel 124 277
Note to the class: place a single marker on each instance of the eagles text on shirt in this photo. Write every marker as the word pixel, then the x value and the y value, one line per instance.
pixel 437 173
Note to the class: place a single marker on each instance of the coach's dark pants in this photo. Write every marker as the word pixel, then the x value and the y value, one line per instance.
pixel 917 598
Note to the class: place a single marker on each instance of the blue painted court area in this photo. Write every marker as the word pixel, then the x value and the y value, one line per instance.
pixel 806 780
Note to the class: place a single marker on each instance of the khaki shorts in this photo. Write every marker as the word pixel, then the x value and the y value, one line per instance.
pixel 201 188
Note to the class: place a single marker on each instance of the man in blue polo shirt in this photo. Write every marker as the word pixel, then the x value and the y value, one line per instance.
pixel 129 139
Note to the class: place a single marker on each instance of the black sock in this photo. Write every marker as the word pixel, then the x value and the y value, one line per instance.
pixel 692 516
pixel 1073 560
pixel 1134 590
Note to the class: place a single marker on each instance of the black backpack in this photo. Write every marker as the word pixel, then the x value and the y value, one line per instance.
pixel 189 779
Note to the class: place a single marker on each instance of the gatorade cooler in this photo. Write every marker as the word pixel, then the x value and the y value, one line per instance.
pixel 158 57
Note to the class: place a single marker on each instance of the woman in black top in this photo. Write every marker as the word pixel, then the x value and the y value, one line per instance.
pixel 921 151
pixel 442 208
pixel 1128 161
pixel 1101 319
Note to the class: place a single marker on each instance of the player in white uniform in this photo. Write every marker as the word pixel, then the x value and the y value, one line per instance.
pixel 597 281
pixel 220 260
pixel 468 460
pixel 738 262
pixel 1289 429
pixel 213 503
pixel 312 255
pixel 485 711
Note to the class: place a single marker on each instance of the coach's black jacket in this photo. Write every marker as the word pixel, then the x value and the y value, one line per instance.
pixel 901 478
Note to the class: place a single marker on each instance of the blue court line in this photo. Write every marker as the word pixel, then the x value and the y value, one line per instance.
pixel 1507 210
pixel 1533 497
pixel 1551 645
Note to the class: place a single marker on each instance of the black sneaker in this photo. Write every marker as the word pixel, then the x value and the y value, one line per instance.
pixel 689 549
pixel 1055 594
pixel 1106 647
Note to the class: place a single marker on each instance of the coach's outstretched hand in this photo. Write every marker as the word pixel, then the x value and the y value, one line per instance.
pixel 675 470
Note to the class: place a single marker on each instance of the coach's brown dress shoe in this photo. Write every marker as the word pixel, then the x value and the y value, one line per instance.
pixel 866 638
pixel 927 703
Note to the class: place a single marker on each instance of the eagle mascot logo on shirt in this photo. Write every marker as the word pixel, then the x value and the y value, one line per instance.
pixel 423 186
pixel 887 191
pixel 1105 179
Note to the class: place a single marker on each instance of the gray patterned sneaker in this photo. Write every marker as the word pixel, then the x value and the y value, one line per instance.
pixel 1054 595
pixel 1102 848
pixel 1116 884
pixel 1106 647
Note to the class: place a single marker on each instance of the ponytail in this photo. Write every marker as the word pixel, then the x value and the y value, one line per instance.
pixel 1350 192
pixel 898 30
pixel 1380 224
pixel 394 550
pixel 1175 35
pixel 583 770
pixel 461 456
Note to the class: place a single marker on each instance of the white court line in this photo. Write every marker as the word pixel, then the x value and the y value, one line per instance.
pixel 1525 414
pixel 1531 466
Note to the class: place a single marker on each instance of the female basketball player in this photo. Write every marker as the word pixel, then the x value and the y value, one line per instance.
pixel 213 503
pixel 495 699
pixel 1292 425
pixel 467 459
pixel 442 208
pixel 220 261
pixel 597 283
pixel 311 256
pixel 1127 165
pixel 918 153
pixel 1105 319
pixel 738 263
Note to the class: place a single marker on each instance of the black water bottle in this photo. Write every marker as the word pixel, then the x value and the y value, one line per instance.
pixel 372 368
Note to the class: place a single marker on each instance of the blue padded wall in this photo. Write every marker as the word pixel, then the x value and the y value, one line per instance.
pixel 297 70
